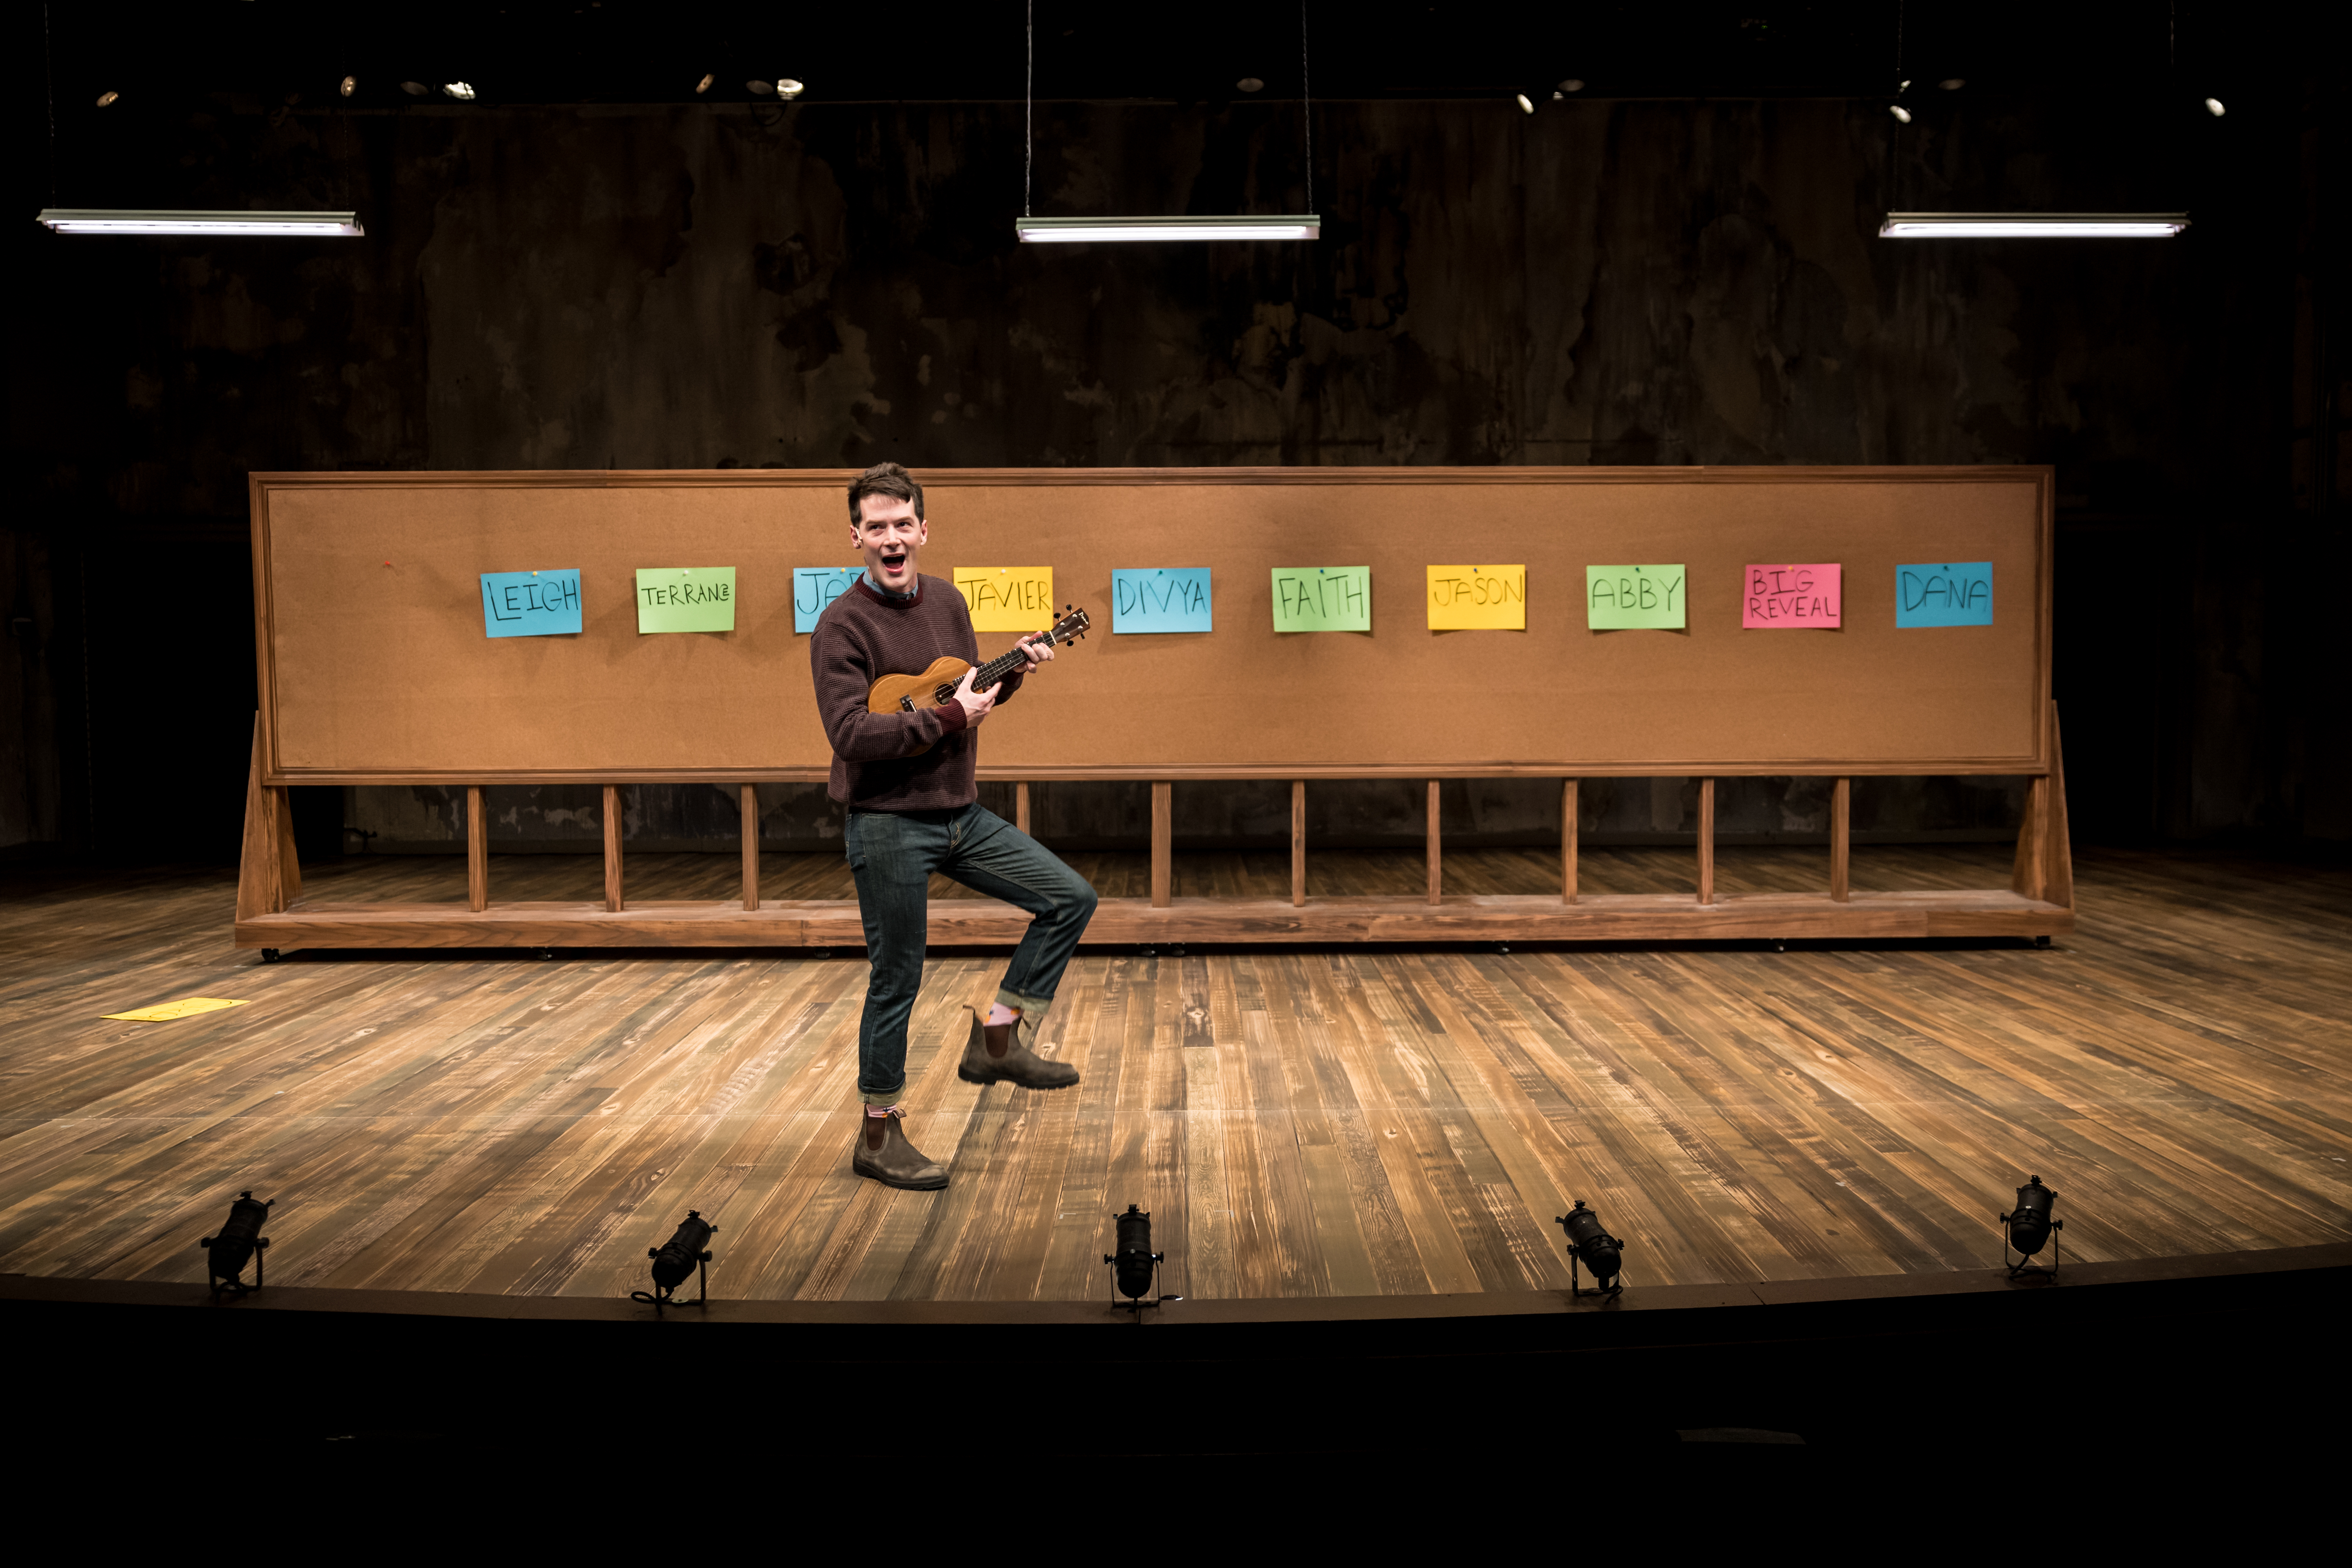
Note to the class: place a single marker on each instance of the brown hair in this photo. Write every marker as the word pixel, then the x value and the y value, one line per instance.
pixel 884 479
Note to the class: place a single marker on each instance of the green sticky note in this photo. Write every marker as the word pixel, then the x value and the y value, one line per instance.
pixel 1322 598
pixel 1622 598
pixel 685 598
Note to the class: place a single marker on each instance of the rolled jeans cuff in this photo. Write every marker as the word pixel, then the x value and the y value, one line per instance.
pixel 1030 1007
pixel 891 1098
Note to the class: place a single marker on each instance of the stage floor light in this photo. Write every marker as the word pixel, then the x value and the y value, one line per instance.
pixel 240 1241
pixel 686 1253
pixel 1592 1246
pixel 2029 1227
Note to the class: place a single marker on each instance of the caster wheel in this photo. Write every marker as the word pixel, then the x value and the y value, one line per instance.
pixel 545 953
pixel 2041 942
pixel 1780 947
pixel 271 955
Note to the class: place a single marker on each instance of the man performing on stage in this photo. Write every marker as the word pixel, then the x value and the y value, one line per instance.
pixel 908 781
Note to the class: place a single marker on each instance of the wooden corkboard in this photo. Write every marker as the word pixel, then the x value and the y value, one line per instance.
pixel 381 673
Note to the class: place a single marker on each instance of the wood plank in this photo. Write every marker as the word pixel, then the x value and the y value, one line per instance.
pixel 1602 917
pixel 1706 841
pixel 1163 829
pixel 1432 850
pixel 478 851
pixel 1021 804
pixel 1568 831
pixel 257 888
pixel 1298 843
pixel 613 904
pixel 289 865
pixel 1841 841
pixel 750 846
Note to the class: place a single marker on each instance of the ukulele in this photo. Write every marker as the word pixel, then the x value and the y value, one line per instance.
pixel 936 687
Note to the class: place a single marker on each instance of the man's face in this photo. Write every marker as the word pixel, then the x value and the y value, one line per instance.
pixel 888 536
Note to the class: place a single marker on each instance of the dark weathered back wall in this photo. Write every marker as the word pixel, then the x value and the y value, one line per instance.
pixel 1628 282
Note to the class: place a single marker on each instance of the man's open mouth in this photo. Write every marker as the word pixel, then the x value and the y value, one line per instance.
pixel 893 560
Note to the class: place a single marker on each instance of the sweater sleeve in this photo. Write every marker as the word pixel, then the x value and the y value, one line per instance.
pixel 844 675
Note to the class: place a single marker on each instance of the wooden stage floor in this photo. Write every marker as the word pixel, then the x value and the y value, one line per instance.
pixel 1347 1123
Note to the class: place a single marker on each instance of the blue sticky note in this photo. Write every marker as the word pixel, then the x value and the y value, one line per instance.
pixel 1953 594
pixel 1161 599
pixel 542 603
pixel 814 587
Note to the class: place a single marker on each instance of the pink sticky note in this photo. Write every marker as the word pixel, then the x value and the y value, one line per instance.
pixel 1790 597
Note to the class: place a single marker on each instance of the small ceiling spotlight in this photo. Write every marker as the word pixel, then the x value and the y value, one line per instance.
pixel 760 89
pixel 686 1254
pixel 462 91
pixel 1573 84
pixel 788 90
pixel 1593 1247
pixel 2213 107
pixel 110 96
pixel 351 84
pixel 704 85
pixel 1526 105
pixel 2030 1226
pixel 1135 1267
pixel 1953 83
pixel 1250 84
pixel 1899 112
pixel 240 1241
pixel 415 89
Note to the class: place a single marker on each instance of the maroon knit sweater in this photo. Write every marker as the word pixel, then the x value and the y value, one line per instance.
pixel 863 636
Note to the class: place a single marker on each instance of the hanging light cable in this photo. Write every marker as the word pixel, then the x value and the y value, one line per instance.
pixel 1032 230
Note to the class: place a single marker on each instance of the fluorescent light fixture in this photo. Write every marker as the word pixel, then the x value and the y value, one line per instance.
pixel 94 220
pixel 1084 230
pixel 2033 225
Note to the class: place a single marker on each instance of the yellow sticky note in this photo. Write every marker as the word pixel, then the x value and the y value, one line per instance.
pixel 1007 598
pixel 1477 598
pixel 186 1008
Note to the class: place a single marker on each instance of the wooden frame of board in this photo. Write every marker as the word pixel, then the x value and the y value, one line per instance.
pixel 372 669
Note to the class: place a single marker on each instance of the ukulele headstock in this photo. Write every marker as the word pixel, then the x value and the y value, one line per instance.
pixel 1072 627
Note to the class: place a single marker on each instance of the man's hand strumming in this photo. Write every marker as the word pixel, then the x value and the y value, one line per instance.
pixel 976 704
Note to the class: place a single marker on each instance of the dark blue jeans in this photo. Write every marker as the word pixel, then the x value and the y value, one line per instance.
pixel 893 854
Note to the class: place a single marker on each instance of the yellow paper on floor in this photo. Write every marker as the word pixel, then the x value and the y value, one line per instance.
pixel 186 1008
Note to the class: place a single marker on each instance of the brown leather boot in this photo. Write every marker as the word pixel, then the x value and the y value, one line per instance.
pixel 1002 1053
pixel 883 1154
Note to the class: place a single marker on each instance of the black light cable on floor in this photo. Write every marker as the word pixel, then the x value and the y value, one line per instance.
pixel 687 1253
pixel 1590 1244
pixel 241 1240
